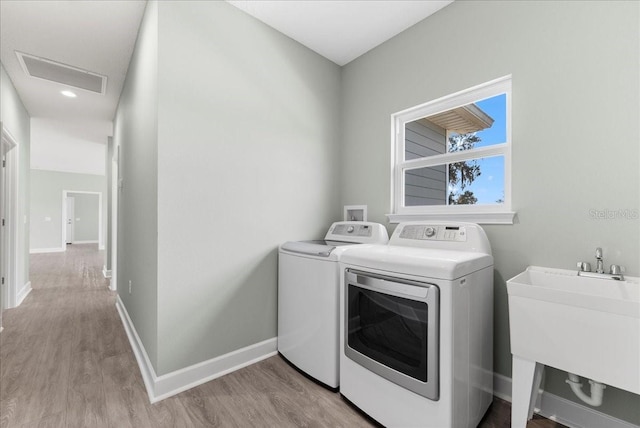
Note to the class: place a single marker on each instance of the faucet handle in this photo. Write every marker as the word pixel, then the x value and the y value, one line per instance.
pixel 615 270
pixel 584 267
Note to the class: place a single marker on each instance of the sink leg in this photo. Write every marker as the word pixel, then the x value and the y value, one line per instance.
pixel 524 390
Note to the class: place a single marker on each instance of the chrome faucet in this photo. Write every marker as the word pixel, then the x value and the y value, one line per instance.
pixel 599 262
pixel 615 271
pixel 584 267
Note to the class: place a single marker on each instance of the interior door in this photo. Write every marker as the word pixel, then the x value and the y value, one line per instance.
pixel 70 216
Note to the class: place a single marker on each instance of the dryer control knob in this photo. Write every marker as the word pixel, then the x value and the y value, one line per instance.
pixel 429 232
pixel 350 229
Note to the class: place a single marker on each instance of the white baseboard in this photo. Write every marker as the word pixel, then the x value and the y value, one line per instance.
pixel 47 250
pixel 566 412
pixel 106 272
pixel 85 242
pixel 167 385
pixel 23 293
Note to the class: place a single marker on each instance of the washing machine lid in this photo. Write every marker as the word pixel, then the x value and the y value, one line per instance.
pixel 318 248
pixel 423 262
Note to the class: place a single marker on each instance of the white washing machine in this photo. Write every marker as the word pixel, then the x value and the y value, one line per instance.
pixel 308 299
pixel 416 326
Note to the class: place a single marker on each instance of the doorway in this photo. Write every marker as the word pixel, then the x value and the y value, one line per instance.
pixel 82 218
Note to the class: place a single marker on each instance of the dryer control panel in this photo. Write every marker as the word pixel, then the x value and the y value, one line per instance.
pixel 445 235
pixel 434 232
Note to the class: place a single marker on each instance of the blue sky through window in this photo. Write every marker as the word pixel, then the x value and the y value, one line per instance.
pixel 489 186
pixel 496 107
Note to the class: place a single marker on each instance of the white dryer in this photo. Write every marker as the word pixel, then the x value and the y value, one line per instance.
pixel 416 316
pixel 308 299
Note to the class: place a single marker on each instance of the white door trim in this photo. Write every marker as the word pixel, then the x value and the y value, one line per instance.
pixel 115 195
pixel 12 152
pixel 64 216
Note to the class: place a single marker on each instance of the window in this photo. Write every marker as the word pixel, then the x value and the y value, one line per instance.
pixel 452 157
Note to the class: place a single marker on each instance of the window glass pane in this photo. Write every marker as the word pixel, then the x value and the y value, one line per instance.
pixel 477 181
pixel 425 186
pixel 474 125
pixel 423 138
pixel 496 108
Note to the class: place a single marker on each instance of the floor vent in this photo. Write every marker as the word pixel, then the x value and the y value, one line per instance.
pixel 46 69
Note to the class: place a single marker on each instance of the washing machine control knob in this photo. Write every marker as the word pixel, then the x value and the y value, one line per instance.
pixel 429 232
pixel 350 229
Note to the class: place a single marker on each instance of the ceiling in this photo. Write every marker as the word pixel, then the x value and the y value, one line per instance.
pixel 96 36
pixel 99 36
pixel 340 30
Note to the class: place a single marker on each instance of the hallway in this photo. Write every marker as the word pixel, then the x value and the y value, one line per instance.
pixel 64 347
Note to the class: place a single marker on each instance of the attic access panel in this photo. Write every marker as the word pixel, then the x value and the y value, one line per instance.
pixel 46 69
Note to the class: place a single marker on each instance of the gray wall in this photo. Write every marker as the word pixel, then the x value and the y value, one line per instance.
pixel 136 135
pixel 248 135
pixel 230 145
pixel 46 202
pixel 16 120
pixel 86 214
pixel 575 131
pixel 228 134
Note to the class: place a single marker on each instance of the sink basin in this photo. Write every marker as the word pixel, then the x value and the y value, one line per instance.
pixel 566 287
pixel 587 326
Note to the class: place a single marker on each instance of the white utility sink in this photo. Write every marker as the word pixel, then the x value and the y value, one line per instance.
pixel 587 326
pixel 567 288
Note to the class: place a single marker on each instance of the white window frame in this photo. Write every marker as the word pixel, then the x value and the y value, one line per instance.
pixel 483 214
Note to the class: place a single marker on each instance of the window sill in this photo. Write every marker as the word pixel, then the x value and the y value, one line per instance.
pixel 477 217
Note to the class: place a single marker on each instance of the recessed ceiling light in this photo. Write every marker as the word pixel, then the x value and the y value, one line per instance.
pixel 68 94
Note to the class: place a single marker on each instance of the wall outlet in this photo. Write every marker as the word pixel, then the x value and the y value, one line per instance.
pixel 129 286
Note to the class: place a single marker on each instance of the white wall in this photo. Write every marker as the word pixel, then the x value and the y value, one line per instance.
pixel 575 68
pixel 67 146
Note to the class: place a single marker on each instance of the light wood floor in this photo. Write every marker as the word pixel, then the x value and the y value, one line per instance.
pixel 65 362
